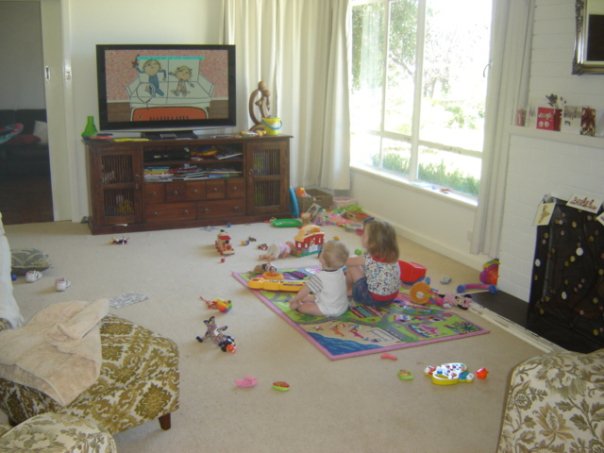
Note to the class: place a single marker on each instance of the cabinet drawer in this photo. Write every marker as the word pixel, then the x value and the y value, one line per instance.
pixel 169 212
pixel 195 190
pixel 215 190
pixel 220 209
pixel 155 193
pixel 235 188
pixel 176 191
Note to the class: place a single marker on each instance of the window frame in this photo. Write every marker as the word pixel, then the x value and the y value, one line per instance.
pixel 413 140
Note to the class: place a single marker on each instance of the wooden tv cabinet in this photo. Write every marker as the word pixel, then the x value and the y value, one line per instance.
pixel 160 184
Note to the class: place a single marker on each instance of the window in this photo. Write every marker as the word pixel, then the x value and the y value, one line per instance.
pixel 418 89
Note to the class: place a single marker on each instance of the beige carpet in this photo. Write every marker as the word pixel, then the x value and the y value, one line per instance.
pixel 350 405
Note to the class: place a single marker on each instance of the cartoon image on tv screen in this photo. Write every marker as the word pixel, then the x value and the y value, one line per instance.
pixel 159 85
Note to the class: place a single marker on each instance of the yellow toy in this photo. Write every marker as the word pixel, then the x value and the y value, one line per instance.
pixel 292 286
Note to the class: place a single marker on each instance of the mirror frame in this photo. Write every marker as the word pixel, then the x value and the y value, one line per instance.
pixel 581 65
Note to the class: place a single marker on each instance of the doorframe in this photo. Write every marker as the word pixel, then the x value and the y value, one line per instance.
pixel 57 89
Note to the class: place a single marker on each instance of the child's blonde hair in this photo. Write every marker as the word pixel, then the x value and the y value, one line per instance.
pixel 334 254
pixel 381 240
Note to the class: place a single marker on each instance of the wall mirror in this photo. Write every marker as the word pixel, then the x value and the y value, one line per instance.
pixel 589 43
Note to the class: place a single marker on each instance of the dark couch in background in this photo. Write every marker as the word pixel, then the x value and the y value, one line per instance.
pixel 25 154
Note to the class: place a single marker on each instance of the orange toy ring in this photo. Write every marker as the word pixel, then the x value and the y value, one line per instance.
pixel 420 293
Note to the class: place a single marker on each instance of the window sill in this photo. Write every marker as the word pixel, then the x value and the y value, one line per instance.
pixel 423 187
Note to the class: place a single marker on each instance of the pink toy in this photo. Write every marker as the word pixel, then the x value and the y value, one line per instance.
pixel 470 286
pixel 490 272
pixel 276 251
pixel 387 356
pixel 246 382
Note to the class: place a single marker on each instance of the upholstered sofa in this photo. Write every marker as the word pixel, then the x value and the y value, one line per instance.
pixel 27 152
pixel 139 376
pixel 555 403
pixel 55 433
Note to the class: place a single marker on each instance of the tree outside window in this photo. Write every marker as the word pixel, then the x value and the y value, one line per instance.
pixel 418 89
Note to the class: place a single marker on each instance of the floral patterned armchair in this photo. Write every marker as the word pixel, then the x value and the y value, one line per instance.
pixel 139 381
pixel 52 432
pixel 555 403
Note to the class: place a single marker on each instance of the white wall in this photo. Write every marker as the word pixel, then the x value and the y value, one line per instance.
pixel 91 22
pixel 552 56
pixel 548 162
pixel 446 226
pixel 540 165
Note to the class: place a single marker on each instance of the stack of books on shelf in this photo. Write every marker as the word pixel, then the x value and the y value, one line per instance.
pixel 157 174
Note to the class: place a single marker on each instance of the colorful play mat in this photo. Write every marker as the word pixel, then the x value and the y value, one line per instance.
pixel 364 330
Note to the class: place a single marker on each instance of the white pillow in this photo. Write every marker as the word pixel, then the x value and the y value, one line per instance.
pixel 8 305
pixel 41 131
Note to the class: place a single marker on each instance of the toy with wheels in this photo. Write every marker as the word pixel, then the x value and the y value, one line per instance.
pixel 223 244
pixel 225 342
pixel 470 286
pixel 449 373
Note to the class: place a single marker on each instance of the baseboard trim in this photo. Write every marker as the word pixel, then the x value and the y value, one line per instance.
pixel 473 261
pixel 515 329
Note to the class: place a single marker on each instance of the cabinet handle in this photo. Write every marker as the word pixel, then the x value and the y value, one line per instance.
pixel 195 190
pixel 175 192
pixel 236 208
pixel 155 213
pixel 215 189
pixel 186 212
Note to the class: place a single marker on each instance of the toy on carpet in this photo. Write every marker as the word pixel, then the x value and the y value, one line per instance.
pixel 470 286
pixel 411 272
pixel 405 375
pixel 388 356
pixel 277 251
pixel 449 373
pixel 246 382
pixel 120 241
pixel 222 305
pixel 225 342
pixel 488 278
pixel 463 301
pixel 280 386
pixel 286 223
pixel 223 244
pixel 490 272
pixel 308 241
pixel 292 286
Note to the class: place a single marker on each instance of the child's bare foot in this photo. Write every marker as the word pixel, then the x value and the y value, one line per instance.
pixel 294 304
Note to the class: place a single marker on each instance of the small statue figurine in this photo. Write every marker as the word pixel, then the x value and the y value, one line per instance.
pixel 259 106
pixel 215 333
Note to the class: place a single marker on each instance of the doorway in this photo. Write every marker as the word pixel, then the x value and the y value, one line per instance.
pixel 25 181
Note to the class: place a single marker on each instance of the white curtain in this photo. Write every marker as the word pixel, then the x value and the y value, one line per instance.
pixel 511 38
pixel 298 48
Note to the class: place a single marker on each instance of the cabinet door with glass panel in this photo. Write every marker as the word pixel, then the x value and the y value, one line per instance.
pixel 115 184
pixel 267 165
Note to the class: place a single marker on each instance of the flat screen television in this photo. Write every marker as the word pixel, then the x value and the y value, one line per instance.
pixel 162 87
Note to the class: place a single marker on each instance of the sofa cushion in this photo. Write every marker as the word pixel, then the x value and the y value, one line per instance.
pixel 9 309
pixel 51 432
